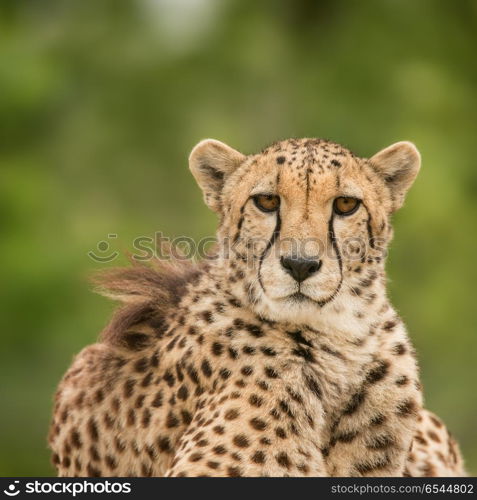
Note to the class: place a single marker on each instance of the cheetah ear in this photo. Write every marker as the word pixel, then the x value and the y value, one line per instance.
pixel 211 162
pixel 399 165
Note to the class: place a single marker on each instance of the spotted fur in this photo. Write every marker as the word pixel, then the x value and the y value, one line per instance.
pixel 231 367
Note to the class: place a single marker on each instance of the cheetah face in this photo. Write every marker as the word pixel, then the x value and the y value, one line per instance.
pixel 300 219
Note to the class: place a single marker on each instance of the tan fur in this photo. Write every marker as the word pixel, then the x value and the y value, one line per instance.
pixel 232 367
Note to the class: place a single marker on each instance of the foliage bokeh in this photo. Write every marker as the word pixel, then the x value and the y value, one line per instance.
pixel 100 103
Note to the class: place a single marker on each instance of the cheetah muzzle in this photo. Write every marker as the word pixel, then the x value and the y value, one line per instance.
pixel 282 356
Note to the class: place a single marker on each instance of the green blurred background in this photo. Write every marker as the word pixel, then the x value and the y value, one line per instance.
pixel 101 102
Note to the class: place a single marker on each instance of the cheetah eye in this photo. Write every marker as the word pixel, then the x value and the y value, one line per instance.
pixel 267 202
pixel 344 205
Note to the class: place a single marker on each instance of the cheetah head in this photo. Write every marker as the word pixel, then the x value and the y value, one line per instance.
pixel 302 221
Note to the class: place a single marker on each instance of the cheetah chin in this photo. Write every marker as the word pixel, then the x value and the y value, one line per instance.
pixel 282 356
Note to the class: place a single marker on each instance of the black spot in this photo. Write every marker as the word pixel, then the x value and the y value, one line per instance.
pixel 93 429
pixel 366 467
pixel 234 472
pixel 141 365
pixel 169 378
pixel 136 341
pixel 254 330
pixel 206 369
pixel 263 385
pixel 306 354
pixel 225 373
pixel 119 445
pixel 108 421
pixel 399 349
pixel 195 457
pixel 171 344
pixel 75 439
pixel 193 375
pixel 219 450
pixel 406 408
pixel 312 384
pixel 389 326
pixel 281 160
pixel 93 452
pixel 235 303
pixel 129 387
pixel 151 452
pixel 241 441
pixel 116 404
pixel 92 471
pixel 280 432
pixel 164 444
pixel 271 372
pixel 186 417
pixel 99 396
pixel 284 406
pixel 345 437
pixel 146 417
pixel 258 424
pixel 158 399
pixel 380 442
pixel 303 468
pixel 275 414
pixel 356 401
pixel 258 457
pixel 402 380
pixel 171 420
pixel 247 371
pixel 255 400
pixel 238 323
pixel 297 336
pixel 231 414
pixel 219 307
pixel 283 460
pixel 377 373
pixel 207 316
pixel 420 440
pixel 183 393
pixel 378 419
pixel 294 395
pixel 217 348
pixel 146 381
pixel 233 353
pixel 434 436
pixel 180 375
pixel 268 351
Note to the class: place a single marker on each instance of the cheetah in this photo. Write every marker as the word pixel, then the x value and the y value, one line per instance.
pixel 277 355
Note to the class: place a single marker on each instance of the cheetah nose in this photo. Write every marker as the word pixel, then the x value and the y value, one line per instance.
pixel 299 268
